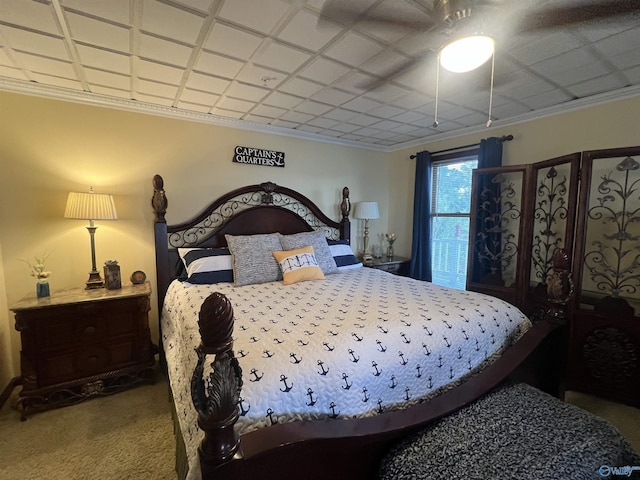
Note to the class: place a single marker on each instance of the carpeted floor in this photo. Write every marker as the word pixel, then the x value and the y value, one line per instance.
pixel 130 436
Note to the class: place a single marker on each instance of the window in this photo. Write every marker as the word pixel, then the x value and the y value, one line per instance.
pixel 450 207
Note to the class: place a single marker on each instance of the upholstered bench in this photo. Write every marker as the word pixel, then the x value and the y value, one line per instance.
pixel 514 432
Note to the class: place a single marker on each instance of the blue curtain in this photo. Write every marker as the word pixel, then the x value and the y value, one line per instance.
pixel 420 266
pixel 489 155
pixel 490 152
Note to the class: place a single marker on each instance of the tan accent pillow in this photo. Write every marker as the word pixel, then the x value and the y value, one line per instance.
pixel 298 265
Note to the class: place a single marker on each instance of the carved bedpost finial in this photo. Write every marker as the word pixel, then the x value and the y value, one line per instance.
pixel 217 400
pixel 216 324
pixel 159 200
pixel 560 285
pixel 345 206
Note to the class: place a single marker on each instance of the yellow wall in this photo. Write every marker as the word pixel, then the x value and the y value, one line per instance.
pixel 610 125
pixel 49 147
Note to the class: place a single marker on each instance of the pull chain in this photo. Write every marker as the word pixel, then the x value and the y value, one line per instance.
pixel 493 65
pixel 435 119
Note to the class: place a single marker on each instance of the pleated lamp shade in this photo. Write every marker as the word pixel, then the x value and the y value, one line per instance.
pixel 90 206
pixel 367 210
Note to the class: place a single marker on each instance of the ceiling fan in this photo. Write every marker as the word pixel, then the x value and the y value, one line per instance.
pixel 488 20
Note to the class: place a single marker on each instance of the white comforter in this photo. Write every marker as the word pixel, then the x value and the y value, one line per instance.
pixel 354 344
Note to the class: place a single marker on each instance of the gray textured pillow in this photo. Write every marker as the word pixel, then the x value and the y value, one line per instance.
pixel 253 260
pixel 320 248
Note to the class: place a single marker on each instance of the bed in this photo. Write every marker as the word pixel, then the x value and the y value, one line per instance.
pixel 310 365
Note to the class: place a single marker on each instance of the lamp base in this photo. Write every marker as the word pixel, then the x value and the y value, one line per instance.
pixel 367 258
pixel 95 280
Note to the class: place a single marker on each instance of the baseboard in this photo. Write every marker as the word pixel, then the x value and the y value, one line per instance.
pixel 6 393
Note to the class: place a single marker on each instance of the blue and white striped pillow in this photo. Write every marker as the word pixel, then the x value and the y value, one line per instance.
pixel 343 255
pixel 207 265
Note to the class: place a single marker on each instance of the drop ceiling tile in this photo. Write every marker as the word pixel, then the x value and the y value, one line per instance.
pixel 301 87
pixel 268 111
pixel 195 107
pixel 387 93
pixel 107 79
pixel 362 104
pixel 340 114
pixel 46 66
pixel 633 74
pixel 542 47
pixel 35 15
pixel 218 65
pixel 155 100
pixel 160 73
pixel 412 100
pixel 625 60
pixel 258 119
pixel 171 22
pixel 262 16
pixel 284 124
pixel 57 81
pixel 164 51
pixel 409 117
pixel 282 100
pixel 201 5
pixel 247 92
pixel 207 83
pixel 102 59
pixel 232 41
pixel 322 122
pixel 13 73
pixel 547 99
pixel 323 70
pixel 345 127
pixel 312 108
pixel 280 57
pixel 384 63
pixel 585 72
pixel 111 92
pixel 509 110
pixel 156 89
pixel 310 128
pixel 101 34
pixel 201 98
pixel 353 49
pixel 386 125
pixel 303 30
pixel 332 96
pixel 623 41
pixel 235 105
pixel 259 75
pixel 596 86
pixel 363 120
pixel 26 41
pixel 227 113
pixel 115 11
pixel 385 111
pixel 297 117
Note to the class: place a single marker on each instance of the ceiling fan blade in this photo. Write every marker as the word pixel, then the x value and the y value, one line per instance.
pixel 351 12
pixel 396 72
pixel 552 17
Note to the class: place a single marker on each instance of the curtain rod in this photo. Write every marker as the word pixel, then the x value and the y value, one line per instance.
pixel 504 138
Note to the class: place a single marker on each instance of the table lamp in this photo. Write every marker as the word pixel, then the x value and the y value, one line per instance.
pixel 367 211
pixel 91 206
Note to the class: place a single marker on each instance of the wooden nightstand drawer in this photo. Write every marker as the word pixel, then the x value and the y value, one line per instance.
pixel 395 265
pixel 81 343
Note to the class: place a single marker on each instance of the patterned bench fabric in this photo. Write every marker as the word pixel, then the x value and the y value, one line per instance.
pixel 514 432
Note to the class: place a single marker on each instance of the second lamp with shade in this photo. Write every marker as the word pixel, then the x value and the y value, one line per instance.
pixel 367 211
pixel 91 206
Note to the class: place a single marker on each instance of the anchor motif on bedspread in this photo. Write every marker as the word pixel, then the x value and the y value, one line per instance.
pixel 287 388
pixel 311 401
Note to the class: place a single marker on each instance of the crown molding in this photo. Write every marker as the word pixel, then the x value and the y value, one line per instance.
pixel 58 93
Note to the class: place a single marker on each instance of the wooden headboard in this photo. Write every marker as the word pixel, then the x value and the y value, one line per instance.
pixel 250 210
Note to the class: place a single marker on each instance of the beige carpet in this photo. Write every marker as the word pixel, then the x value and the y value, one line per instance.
pixel 128 435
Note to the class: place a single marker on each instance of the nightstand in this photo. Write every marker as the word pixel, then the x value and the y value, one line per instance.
pixel 78 344
pixel 396 265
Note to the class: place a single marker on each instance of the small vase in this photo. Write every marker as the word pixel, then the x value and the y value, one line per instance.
pixel 42 289
pixel 390 251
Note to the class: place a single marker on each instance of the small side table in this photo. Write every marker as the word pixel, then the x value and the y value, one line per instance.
pixel 396 265
pixel 78 344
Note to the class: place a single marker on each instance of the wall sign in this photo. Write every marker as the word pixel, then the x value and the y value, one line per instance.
pixel 258 156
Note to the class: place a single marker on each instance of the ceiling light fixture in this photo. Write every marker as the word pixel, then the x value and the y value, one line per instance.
pixel 466 53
